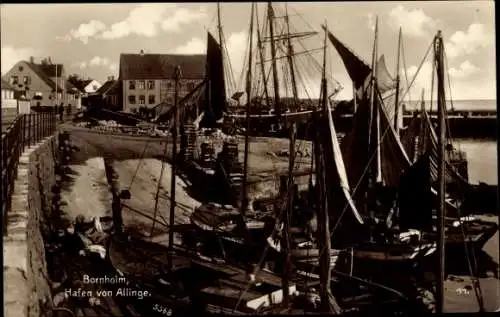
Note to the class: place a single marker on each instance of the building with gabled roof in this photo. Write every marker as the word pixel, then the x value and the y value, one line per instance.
pixel 110 92
pixel 147 79
pixel 44 84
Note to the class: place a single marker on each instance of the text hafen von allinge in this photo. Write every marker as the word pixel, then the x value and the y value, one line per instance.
pixel 120 292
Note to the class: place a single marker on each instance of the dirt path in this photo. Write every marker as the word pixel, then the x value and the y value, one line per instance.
pixel 141 178
pixel 88 193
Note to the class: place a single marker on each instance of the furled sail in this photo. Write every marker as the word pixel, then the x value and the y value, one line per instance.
pixel 215 93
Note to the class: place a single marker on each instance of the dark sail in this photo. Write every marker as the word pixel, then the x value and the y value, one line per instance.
pixel 416 197
pixel 215 91
pixel 356 68
pixel 355 151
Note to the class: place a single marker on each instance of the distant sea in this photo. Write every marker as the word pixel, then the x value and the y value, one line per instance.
pixel 485 104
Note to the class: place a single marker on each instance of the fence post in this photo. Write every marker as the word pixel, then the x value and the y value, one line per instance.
pixel 23 131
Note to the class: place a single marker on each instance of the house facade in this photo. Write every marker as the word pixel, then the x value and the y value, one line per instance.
pixel 147 79
pixel 91 86
pixel 8 99
pixel 44 84
pixel 110 93
pixel 74 96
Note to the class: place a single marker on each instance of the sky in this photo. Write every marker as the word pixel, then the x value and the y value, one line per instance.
pixel 89 38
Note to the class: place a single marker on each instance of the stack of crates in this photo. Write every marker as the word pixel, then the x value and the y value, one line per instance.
pixel 232 166
pixel 189 143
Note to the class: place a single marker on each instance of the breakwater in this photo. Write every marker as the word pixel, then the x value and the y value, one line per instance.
pixel 462 125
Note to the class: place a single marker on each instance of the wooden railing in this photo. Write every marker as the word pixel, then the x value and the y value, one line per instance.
pixel 26 130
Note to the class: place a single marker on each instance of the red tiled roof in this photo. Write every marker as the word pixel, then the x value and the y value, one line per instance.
pixel 161 66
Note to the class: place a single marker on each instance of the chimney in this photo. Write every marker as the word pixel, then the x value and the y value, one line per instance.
pixel 50 60
pixel 110 78
pixel 142 52
pixel 32 60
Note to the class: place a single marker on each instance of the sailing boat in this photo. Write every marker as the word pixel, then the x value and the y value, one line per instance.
pixel 461 229
pixel 367 151
pixel 181 279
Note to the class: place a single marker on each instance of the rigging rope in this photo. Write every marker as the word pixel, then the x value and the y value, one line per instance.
pixel 477 286
pixel 158 188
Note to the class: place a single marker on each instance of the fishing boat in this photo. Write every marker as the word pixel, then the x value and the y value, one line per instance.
pixel 392 157
pixel 181 278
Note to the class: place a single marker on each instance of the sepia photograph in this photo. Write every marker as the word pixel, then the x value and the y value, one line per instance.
pixel 249 158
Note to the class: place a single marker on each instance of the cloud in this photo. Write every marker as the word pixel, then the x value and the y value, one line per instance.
pixel 144 20
pixel 465 70
pixel 12 55
pixel 194 46
pixel 464 43
pixel 462 85
pixel 87 30
pixel 97 61
pixel 81 65
pixel 180 17
pixel 413 22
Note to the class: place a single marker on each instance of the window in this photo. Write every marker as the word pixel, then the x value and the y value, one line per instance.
pixel 27 80
pixel 142 99
pixel 190 86
pixel 131 99
pixel 163 84
pixel 151 99
pixel 170 85
pixel 14 80
pixel 151 84
pixel 131 85
pixel 21 68
pixel 140 84
pixel 94 87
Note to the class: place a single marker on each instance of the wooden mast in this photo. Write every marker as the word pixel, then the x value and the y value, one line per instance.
pixel 177 77
pixel 291 163
pixel 422 135
pixel 396 102
pixel 441 102
pixel 249 100
pixel 290 56
pixel 277 102
pixel 261 56
pixel 328 304
pixel 372 139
